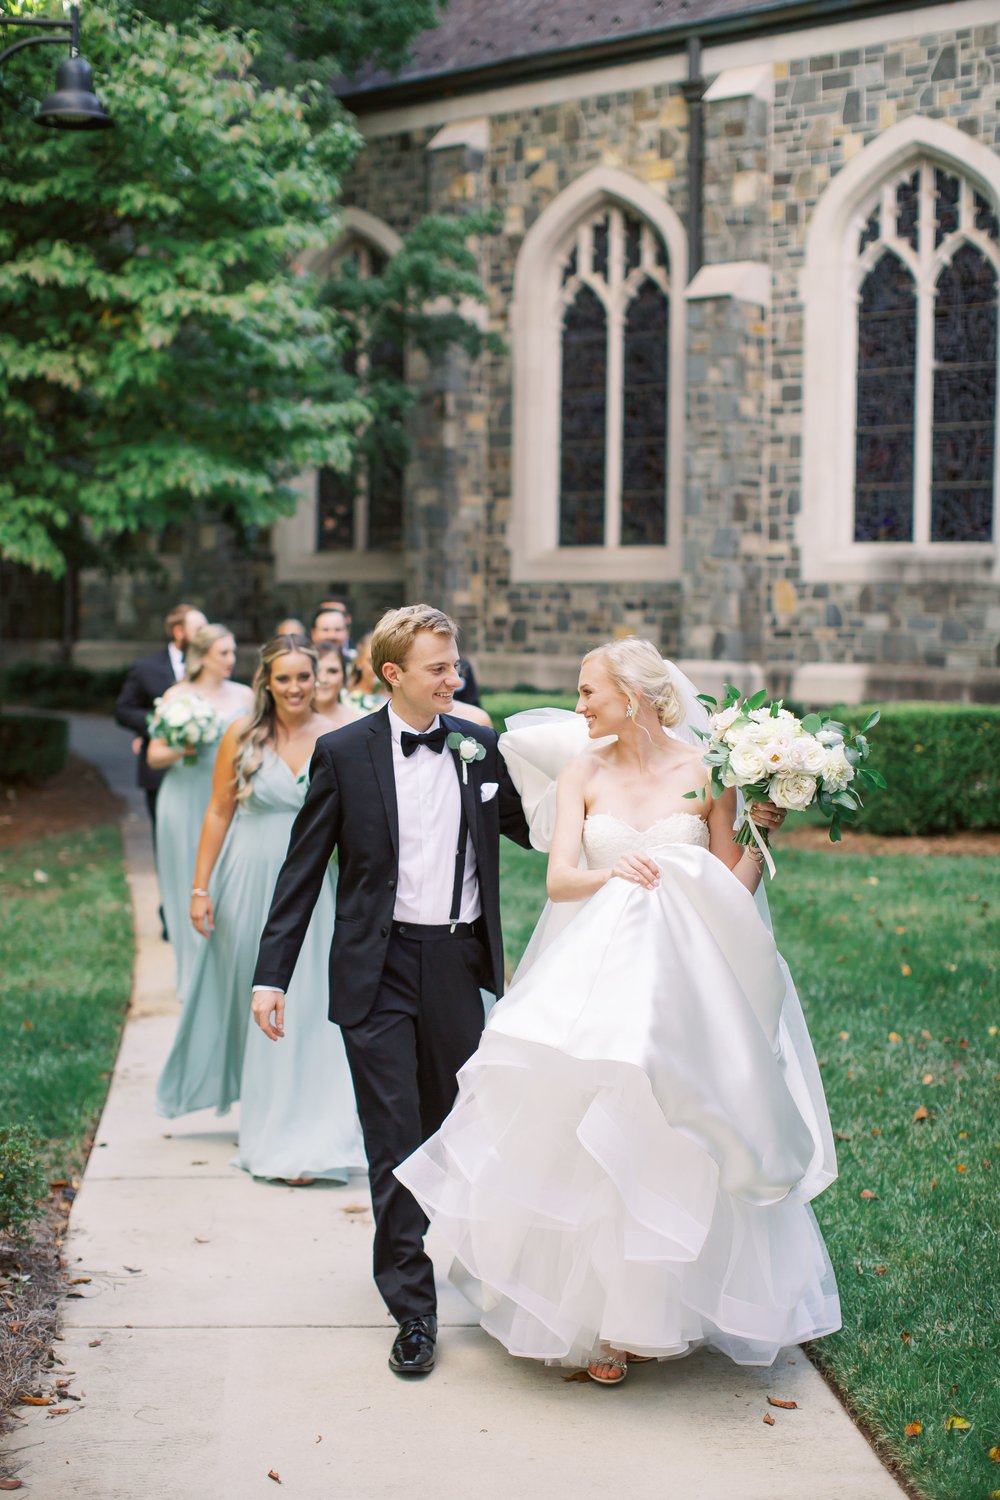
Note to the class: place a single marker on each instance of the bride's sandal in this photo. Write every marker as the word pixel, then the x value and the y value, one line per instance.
pixel 640 1359
pixel 617 1363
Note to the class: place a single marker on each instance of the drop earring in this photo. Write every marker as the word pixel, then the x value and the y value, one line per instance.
pixel 629 711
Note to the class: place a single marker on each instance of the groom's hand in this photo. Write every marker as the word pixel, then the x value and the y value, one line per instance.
pixel 265 1004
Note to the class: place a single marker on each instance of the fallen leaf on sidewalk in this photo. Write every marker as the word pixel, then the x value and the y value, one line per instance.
pixel 10 1484
pixel 320 1438
pixel 768 1419
pixel 79 1281
pixel 577 1375
pixel 785 1405
pixel 201 1164
pixel 57 1411
pixel 94 1344
pixel 913 1429
pixel 133 1270
pixel 355 1208
pixel 273 1474
pixel 35 1400
pixel 201 1239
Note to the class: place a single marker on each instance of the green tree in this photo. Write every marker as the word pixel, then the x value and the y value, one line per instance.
pixel 162 354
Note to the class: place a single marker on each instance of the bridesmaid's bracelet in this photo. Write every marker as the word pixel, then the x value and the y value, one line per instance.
pixel 197 891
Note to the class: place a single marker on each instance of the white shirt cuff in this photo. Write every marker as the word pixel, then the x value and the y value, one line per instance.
pixel 273 987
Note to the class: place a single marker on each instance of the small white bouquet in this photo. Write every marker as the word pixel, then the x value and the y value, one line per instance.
pixel 187 723
pixel 769 754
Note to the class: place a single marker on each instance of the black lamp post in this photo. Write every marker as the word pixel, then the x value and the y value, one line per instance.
pixel 74 105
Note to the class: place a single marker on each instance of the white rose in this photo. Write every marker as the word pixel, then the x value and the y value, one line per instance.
pixel 728 776
pixel 468 749
pixel 720 722
pixel 779 756
pixel 838 772
pixel 829 737
pixel 192 733
pixel 808 755
pixel 795 790
pixel 746 763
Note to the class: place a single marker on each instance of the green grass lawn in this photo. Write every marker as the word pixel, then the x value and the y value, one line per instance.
pixel 66 963
pixel 896 962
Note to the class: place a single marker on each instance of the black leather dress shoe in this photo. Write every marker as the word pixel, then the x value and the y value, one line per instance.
pixel 413 1347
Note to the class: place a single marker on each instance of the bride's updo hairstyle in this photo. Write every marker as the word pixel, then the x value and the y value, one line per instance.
pixel 639 671
pixel 260 726
pixel 199 646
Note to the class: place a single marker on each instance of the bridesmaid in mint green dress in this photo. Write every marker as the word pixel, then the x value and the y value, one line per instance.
pixel 184 794
pixel 298 1120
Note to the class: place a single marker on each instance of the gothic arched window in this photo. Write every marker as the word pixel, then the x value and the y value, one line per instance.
pixel 925 458
pixel 613 424
pixel 362 510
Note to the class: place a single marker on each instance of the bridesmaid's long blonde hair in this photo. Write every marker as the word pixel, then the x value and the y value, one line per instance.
pixel 260 727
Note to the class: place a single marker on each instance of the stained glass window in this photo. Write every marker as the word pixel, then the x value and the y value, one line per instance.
pixel 584 408
pixel 363 509
pixel 887 342
pixel 965 395
pixel 927 348
pixel 615 332
pixel 644 450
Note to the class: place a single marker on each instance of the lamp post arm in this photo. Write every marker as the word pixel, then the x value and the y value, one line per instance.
pixel 32 41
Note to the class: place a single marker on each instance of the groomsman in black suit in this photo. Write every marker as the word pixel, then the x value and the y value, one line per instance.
pixel 148 679
pixel 416 823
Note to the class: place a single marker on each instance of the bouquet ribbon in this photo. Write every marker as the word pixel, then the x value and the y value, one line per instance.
pixel 761 844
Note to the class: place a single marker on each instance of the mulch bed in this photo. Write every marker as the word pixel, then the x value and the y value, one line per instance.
pixel 78 797
pixel 978 841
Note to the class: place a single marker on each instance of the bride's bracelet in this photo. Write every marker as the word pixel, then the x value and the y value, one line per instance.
pixel 196 890
pixel 756 855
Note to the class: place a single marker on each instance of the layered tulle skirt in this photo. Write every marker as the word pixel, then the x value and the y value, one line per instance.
pixel 635 1142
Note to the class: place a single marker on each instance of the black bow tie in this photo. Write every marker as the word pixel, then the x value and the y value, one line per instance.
pixel 434 740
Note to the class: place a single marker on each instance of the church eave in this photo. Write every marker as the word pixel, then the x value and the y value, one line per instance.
pixel 531 67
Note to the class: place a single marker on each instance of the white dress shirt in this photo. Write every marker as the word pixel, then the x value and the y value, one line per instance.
pixel 429 804
pixel 430 811
pixel 176 660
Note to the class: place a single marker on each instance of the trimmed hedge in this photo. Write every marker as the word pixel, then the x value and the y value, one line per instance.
pixel 500 706
pixel 23 1186
pixel 32 747
pixel 942 763
pixel 941 760
pixel 50 684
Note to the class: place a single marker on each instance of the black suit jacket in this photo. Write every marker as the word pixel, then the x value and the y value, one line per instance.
pixel 351 807
pixel 148 679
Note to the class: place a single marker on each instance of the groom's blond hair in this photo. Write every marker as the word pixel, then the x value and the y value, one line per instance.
pixel 393 636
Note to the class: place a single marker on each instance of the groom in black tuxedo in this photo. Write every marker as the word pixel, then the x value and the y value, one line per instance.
pixel 417 825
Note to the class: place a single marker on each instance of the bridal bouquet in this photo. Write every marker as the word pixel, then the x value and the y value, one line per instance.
pixel 769 754
pixel 186 723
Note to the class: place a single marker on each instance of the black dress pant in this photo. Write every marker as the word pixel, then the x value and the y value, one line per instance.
pixel 424 1025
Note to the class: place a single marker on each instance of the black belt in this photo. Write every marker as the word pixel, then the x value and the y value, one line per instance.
pixel 426 932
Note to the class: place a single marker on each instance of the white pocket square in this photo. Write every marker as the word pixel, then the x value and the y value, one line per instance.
pixel 488 791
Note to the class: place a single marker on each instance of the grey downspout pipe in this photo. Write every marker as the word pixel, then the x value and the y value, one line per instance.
pixel 692 89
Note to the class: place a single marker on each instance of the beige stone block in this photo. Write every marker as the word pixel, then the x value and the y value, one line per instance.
pixel 513 222
pixel 781 70
pixel 535 153
pixel 851 145
pixel 777 212
pixel 887 114
pixel 611 156
pixel 821 134
pixel 675 111
pixel 545 177
pixel 784 597
pixel 462 187
pixel 659 171
pixel 747 187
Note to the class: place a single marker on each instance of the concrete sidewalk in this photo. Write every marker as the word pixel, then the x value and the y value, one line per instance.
pixel 230 1331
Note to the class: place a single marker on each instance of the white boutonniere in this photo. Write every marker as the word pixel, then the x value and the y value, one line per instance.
pixel 469 750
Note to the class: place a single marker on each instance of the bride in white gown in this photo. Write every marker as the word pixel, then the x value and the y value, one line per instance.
pixel 627 1169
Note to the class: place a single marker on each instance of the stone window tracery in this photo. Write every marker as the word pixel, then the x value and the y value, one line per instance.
pixel 928 257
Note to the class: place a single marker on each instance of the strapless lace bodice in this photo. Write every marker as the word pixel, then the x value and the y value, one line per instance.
pixel 606 838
